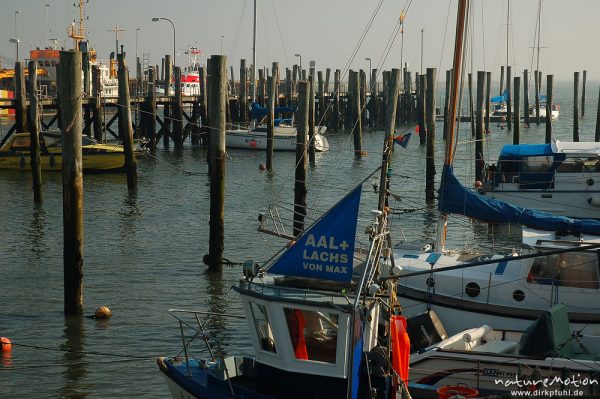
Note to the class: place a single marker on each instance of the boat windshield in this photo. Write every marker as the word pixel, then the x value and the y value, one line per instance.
pixel 572 269
pixel 313 334
pixel 263 327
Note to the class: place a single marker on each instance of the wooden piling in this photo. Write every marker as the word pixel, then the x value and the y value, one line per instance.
pixel 125 128
pixel 501 79
pixel 363 99
pixel 327 77
pixel 311 119
pixel 526 97
pixel 430 151
pixel 575 107
pixel 177 111
pixel 289 87
pixel 20 99
pixel 390 127
pixel 517 126
pixel 355 107
pixel 509 109
pixel 373 102
pixel 270 121
pixel 96 104
pixel 336 100
pixel 300 173
pixel 479 161
pixel 70 108
pixel 471 106
pixel 549 105
pixel 583 92
pixel 167 106
pixel 204 117
pixel 232 79
pixel 150 108
pixel 422 109
pixel 34 133
pixel 218 96
pixel 488 104
pixel 85 60
pixel 320 110
pixel 243 91
pixel 261 87
pixel 597 135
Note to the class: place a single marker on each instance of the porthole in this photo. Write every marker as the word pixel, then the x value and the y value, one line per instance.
pixel 472 289
pixel 518 295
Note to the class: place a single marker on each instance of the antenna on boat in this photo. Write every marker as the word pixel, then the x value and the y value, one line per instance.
pixel 77 32
pixel 456 72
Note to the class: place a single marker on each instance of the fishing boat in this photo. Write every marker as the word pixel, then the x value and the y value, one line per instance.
pixel 15 153
pixel 255 138
pixel 557 178
pixel 546 358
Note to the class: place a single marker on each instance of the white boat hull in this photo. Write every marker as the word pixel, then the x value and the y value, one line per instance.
pixel 285 140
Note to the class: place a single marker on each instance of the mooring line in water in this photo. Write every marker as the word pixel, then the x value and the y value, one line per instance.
pixel 116 355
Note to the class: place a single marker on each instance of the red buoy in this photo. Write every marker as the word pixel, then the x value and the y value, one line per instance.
pixel 5 344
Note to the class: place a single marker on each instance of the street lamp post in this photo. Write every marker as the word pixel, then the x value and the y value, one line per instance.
pixel 299 56
pixel 370 74
pixel 422 30
pixel 16 38
pixel 173 25
pixel 47 5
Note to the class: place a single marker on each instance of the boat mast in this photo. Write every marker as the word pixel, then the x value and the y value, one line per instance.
pixel 77 34
pixel 539 26
pixel 254 55
pixel 456 72
pixel 507 38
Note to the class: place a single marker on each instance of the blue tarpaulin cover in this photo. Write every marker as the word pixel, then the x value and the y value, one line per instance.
pixel 455 198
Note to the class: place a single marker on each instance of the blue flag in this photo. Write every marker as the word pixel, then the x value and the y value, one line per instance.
pixel 325 251
pixel 402 139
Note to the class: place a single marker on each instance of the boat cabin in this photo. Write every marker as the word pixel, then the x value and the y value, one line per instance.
pixel 542 166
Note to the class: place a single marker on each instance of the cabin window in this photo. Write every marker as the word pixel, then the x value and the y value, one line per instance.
pixel 577 165
pixel 571 269
pixel 53 63
pixel 41 63
pixel 313 334
pixel 264 332
pixel 537 164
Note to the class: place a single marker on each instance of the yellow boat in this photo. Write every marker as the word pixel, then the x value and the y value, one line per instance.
pixel 97 157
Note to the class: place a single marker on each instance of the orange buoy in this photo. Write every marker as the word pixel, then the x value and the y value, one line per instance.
pixel 5 344
pixel 102 313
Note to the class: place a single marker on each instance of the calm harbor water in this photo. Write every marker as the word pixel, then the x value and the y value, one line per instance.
pixel 143 252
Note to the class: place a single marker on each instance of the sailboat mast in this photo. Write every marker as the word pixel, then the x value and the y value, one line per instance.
pixel 539 27
pixel 254 55
pixel 456 72
pixel 507 36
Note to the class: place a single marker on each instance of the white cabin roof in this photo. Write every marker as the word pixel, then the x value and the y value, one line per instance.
pixel 576 148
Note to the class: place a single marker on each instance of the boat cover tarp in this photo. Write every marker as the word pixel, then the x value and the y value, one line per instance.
pixel 325 251
pixel 258 112
pixel 511 151
pixel 455 198
pixel 549 335
pixel 500 99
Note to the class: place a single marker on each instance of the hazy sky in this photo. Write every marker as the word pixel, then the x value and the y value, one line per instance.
pixel 326 31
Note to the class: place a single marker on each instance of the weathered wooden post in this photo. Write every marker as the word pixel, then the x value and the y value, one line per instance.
pixel 430 151
pixel 261 87
pixel 549 105
pixel 85 60
pixel 363 99
pixel 58 80
pixel 232 79
pixel 167 105
pixel 72 165
pixel 321 95
pixel 34 134
pixel 204 117
pixel 390 127
pixel 509 110
pixel 479 126
pixel 488 104
pixel 446 101
pixel 150 116
pixel 177 113
pixel 270 121
pixel 422 109
pixel 501 79
pixel 336 100
pixel 583 92
pixel 218 96
pixel 21 99
pixel 275 73
pixel 517 127
pixel 96 104
pixel 526 97
pixel 289 87
pixel 243 91
pixel 575 107
pixel 300 173
pixel 355 107
pixel 125 128
pixel 471 106
pixel 373 102
pixel 311 119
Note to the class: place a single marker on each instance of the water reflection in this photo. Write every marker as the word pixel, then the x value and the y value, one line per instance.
pixel 36 233
pixel 216 304
pixel 76 368
pixel 129 214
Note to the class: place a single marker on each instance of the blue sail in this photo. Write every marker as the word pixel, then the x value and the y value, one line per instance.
pixel 258 112
pixel 455 198
pixel 325 251
pixel 500 99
